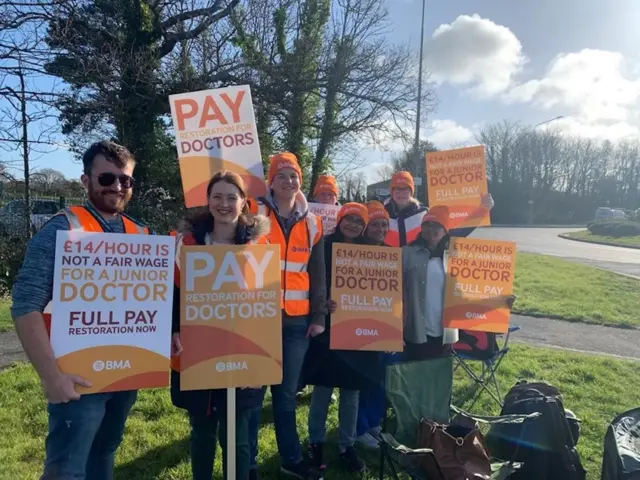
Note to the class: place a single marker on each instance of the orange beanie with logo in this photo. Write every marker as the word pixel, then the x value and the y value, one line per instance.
pixel 281 161
pixel 438 214
pixel 376 210
pixel 353 208
pixel 403 179
pixel 326 183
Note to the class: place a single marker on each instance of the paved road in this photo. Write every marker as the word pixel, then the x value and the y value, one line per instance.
pixel 534 331
pixel 547 242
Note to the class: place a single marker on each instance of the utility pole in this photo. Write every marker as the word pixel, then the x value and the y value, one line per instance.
pixel 416 144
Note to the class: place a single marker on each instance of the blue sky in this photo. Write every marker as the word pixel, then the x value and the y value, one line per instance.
pixel 525 61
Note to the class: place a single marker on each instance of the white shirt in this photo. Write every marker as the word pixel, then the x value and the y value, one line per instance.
pixel 435 296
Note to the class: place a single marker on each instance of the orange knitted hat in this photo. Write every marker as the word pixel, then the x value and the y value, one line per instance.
pixel 403 179
pixel 438 214
pixel 353 208
pixel 376 210
pixel 283 160
pixel 326 183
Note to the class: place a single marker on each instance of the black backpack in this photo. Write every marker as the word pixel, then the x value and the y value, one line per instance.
pixel 546 445
pixel 622 447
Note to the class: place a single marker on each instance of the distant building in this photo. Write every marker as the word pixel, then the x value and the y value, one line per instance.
pixel 379 191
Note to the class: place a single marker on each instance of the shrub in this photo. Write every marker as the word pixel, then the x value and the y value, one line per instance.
pixel 615 228
pixel 11 256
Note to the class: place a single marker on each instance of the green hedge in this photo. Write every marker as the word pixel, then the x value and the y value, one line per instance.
pixel 615 228
pixel 11 257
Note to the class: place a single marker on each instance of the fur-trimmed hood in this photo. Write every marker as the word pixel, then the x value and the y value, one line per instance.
pixel 199 224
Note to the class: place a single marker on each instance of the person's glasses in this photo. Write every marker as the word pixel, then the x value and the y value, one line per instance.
pixel 108 179
pixel 355 221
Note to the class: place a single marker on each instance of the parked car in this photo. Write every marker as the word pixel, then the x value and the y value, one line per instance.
pixel 619 214
pixel 603 213
pixel 12 215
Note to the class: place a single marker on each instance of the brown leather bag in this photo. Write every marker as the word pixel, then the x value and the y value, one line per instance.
pixel 459 452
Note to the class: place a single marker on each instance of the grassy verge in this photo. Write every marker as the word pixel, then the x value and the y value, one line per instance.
pixel 156 438
pixel 552 287
pixel 549 287
pixel 585 236
pixel 6 323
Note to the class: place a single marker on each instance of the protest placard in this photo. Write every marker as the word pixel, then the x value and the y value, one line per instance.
pixel 230 324
pixel 329 215
pixel 111 309
pixel 458 179
pixel 479 283
pixel 366 282
pixel 216 130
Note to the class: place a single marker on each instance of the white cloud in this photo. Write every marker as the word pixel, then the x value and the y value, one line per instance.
pixel 475 52
pixel 448 133
pixel 579 127
pixel 593 84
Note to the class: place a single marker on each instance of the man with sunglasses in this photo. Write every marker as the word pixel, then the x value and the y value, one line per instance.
pixel 84 431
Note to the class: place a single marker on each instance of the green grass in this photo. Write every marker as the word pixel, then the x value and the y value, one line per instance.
pixel 551 287
pixel 6 323
pixel 588 237
pixel 156 439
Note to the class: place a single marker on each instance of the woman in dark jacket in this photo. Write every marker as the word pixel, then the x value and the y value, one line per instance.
pixel 227 221
pixel 327 369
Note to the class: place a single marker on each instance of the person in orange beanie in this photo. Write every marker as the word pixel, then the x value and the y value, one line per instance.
pixel 424 266
pixel 326 369
pixel 298 232
pixel 378 225
pixel 326 190
pixel 405 212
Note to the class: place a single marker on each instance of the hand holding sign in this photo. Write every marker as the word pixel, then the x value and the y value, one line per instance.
pixel 61 388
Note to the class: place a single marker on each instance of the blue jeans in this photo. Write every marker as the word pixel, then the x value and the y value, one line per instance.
pixel 84 435
pixel 347 416
pixel 373 402
pixel 294 348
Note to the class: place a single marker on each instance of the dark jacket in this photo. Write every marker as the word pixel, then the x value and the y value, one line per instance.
pixel 203 402
pixel 401 215
pixel 355 370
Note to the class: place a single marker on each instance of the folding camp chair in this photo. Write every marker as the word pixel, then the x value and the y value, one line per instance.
pixel 481 347
pixel 423 389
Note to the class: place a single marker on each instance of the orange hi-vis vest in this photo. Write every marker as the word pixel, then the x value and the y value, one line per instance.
pixel 80 219
pixel 295 253
pixel 188 240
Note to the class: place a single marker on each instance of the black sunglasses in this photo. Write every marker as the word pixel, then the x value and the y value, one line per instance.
pixel 108 179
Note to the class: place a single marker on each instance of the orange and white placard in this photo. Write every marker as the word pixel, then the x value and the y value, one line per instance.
pixel 366 283
pixel 111 309
pixel 230 319
pixel 479 283
pixel 216 130
pixel 458 179
pixel 329 215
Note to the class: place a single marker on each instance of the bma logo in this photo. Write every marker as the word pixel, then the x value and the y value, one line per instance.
pixel 299 249
pixel 231 366
pixel 366 332
pixel 480 316
pixel 282 165
pixel 100 365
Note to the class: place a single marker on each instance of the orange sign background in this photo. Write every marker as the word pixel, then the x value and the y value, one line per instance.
pixel 479 281
pixel 216 130
pixel 230 319
pixel 458 179
pixel 366 282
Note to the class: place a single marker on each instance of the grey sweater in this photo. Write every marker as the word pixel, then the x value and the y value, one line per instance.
pixel 33 288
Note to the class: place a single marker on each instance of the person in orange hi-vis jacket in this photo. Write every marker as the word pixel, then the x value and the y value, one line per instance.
pixel 84 430
pixel 304 295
